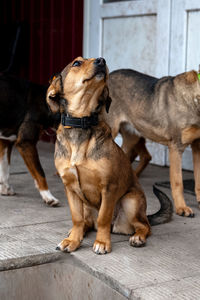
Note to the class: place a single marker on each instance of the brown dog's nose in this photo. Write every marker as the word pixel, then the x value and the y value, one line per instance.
pixel 100 61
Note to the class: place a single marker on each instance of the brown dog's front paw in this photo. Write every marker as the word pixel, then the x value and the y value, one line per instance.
pixel 185 212
pixel 68 245
pixel 101 247
pixel 137 241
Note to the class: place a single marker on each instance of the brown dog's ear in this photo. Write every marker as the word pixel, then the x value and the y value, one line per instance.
pixel 53 101
pixel 191 76
pixel 108 103
pixel 53 94
pixel 106 98
pixel 53 77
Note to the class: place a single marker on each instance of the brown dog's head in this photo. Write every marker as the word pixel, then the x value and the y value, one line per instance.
pixel 188 85
pixel 80 89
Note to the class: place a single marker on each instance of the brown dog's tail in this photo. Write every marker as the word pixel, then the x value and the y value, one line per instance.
pixel 164 214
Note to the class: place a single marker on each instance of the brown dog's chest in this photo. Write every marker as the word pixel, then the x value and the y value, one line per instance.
pixel 83 179
pixel 87 164
pixel 81 164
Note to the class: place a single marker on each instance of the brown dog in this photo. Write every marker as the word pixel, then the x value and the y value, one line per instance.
pixel 96 173
pixel 163 110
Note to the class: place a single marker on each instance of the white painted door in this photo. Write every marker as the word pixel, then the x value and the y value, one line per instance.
pixel 130 34
pixel 185 46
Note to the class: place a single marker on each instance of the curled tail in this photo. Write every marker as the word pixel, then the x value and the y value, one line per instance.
pixel 164 214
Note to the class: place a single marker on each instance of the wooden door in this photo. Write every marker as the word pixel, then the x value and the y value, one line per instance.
pixel 130 34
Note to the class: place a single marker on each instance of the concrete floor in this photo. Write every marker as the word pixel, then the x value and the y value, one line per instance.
pixel 167 268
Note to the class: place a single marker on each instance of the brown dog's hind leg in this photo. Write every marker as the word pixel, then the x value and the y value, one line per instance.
pixel 73 241
pixel 89 218
pixel 144 155
pixel 5 153
pixel 176 181
pixel 196 162
pixel 29 153
pixel 134 145
pixel 133 206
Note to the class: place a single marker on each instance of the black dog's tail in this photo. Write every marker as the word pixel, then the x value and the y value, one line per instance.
pixel 164 214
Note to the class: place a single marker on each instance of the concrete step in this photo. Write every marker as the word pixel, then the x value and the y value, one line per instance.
pixel 168 267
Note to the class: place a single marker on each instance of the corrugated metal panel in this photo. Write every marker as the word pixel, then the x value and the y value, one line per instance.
pixel 55 30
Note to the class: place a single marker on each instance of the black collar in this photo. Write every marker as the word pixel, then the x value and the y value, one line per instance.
pixel 84 123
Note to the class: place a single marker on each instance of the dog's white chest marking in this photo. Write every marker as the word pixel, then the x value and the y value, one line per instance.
pixel 77 156
pixel 74 172
pixel 71 170
pixel 10 138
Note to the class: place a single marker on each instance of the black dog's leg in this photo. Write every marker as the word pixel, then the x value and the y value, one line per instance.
pixel 28 136
pixel 5 152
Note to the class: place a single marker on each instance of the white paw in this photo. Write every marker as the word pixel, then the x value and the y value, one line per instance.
pixel 136 241
pixel 101 247
pixel 68 245
pixel 49 198
pixel 60 247
pixel 6 190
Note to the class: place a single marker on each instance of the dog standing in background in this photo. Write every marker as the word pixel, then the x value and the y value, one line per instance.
pixel 166 111
pixel 24 115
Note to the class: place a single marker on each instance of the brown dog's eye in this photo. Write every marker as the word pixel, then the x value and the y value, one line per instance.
pixel 77 63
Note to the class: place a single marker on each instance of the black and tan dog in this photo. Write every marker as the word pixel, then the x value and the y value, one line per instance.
pixel 24 114
pixel 166 111
pixel 96 173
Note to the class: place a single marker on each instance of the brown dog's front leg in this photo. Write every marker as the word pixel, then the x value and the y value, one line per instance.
pixel 102 245
pixel 76 234
pixel 196 162
pixel 176 181
pixel 29 153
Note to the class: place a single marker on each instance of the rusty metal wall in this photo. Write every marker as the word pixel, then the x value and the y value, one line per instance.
pixel 54 31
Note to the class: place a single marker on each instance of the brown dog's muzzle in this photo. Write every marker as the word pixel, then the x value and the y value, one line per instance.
pixel 100 69
pixel 100 64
